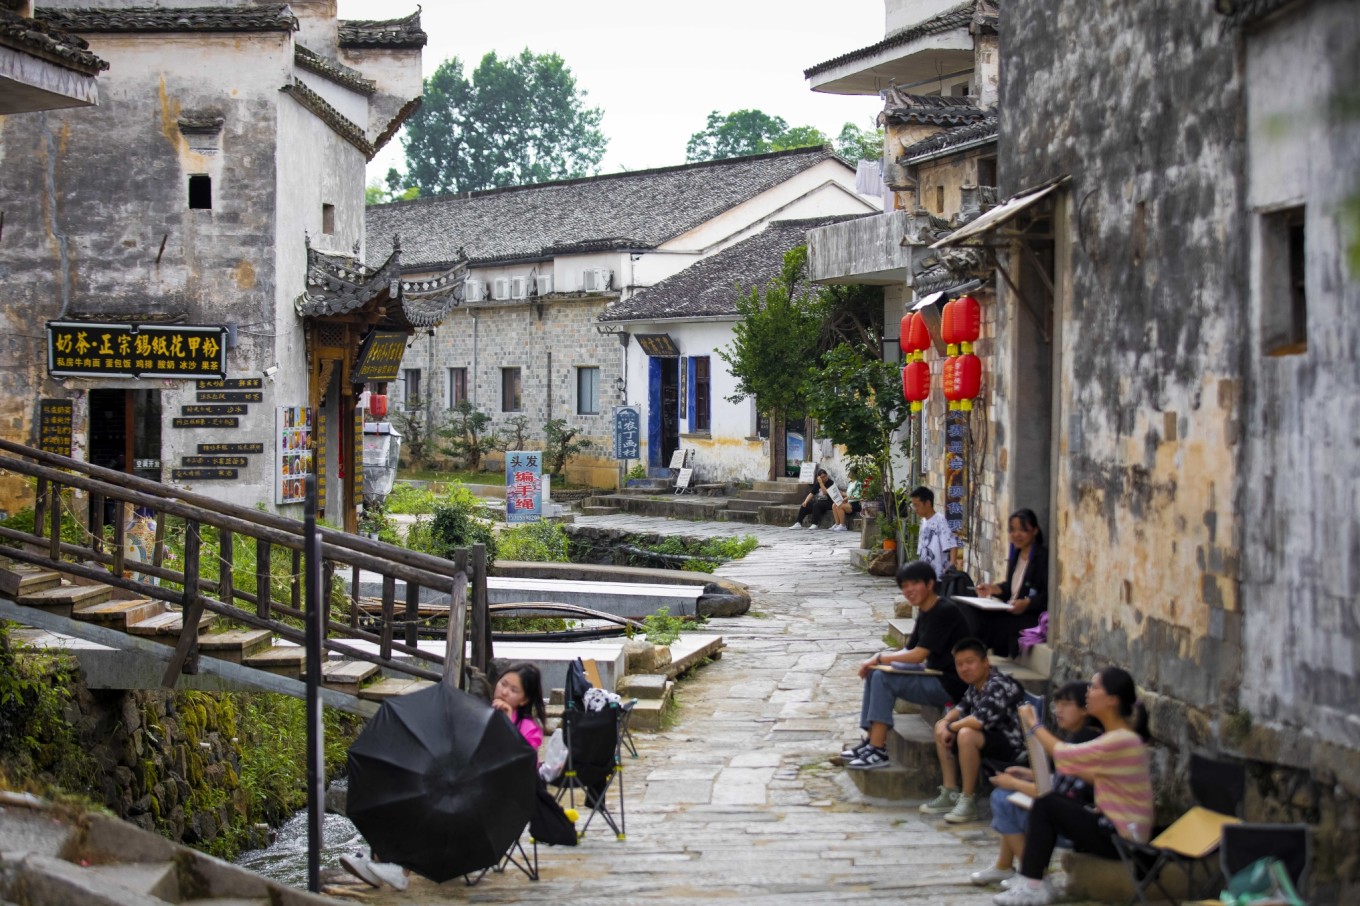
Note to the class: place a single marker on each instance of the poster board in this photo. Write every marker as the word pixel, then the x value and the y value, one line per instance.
pixel 523 486
pixel 835 494
pixel 677 459
pixel 294 455
pixel 807 472
pixel 682 480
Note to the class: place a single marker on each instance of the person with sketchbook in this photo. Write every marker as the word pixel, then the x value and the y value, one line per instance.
pixel 1025 588
pixel 923 672
pixel 818 501
pixel 1116 764
pixel 1009 817
pixel 983 725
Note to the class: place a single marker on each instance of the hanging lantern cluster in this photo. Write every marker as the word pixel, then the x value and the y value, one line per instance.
pixel 960 325
pixel 914 339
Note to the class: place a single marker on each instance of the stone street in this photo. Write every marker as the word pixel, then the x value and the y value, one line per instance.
pixel 736 800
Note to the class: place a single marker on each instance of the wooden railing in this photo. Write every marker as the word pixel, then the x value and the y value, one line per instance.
pixel 463 578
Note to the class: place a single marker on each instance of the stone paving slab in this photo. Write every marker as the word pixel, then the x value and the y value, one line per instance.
pixel 736 801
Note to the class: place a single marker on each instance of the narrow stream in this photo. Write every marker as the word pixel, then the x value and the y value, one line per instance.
pixel 285 860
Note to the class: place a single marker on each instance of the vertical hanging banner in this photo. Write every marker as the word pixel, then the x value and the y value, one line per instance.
pixel 627 432
pixel 358 462
pixel 55 418
pixel 319 451
pixel 956 472
pixel 523 486
pixel 294 456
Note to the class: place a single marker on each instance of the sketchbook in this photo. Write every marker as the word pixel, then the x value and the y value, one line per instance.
pixel 920 669
pixel 982 603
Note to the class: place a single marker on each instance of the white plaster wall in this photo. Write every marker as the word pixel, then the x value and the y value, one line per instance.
pixel 352 105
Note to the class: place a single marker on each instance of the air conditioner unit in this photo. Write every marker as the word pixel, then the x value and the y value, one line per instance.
pixel 519 287
pixel 501 288
pixel 596 280
pixel 474 291
pixel 544 284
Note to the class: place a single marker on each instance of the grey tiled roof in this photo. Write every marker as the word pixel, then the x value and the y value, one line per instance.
pixel 345 128
pixel 404 32
pixel 333 70
pixel 980 131
pixel 937 110
pixel 710 287
pixel 266 17
pixel 38 39
pixel 960 16
pixel 640 210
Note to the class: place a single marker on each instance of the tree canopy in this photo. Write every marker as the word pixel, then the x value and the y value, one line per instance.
pixel 515 121
pixel 756 132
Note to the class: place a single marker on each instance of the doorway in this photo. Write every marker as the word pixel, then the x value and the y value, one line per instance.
pixel 125 431
pixel 663 410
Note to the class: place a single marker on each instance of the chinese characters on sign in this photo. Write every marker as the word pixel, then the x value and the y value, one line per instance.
pixel 293 442
pixel 627 433
pixel 659 345
pixel 523 486
pixel 136 350
pixel 54 426
pixel 380 357
pixel 956 472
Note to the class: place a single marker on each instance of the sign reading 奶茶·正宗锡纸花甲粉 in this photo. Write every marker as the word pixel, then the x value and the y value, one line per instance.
pixel 89 349
pixel 523 486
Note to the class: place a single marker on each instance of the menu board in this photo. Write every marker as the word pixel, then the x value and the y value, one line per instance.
pixel 54 426
pixel 294 458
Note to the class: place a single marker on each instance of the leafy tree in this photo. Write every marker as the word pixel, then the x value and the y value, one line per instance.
pixel 854 315
pixel 857 399
pixel 856 144
pixel 560 445
pixel 466 436
pixel 417 429
pixel 515 121
pixel 747 132
pixel 392 188
pixel 772 345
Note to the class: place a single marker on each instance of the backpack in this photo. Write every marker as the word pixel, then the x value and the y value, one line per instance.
pixel 955 582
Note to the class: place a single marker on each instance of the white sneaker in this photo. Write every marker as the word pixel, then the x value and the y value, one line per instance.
pixel 814 526
pixel 391 873
pixel 375 874
pixel 1021 893
pixel 797 525
pixel 837 528
pixel 992 875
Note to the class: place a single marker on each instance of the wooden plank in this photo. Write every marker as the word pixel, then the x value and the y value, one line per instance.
pixel 412 614
pixel 262 578
pixel 119 613
pixel 236 645
pixel 120 512
pixel 227 560
pixel 348 672
pixel 185 659
pixel 388 613
pixel 481 618
pixel 169 623
pixel 391 687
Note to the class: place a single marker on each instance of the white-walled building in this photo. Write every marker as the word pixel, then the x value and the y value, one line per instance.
pixel 548 261
pixel 203 199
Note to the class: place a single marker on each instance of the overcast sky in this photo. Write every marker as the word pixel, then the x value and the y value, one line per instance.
pixel 656 69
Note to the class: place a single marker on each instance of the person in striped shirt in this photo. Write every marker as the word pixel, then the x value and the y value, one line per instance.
pixel 1115 763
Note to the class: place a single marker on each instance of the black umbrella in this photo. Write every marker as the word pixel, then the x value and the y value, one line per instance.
pixel 440 783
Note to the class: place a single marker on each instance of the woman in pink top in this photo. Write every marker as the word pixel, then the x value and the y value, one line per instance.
pixel 1116 764
pixel 519 696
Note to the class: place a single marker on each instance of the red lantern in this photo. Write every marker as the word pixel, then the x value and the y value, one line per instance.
pixel 916 383
pixel 948 333
pixel 967 321
pixel 377 405
pixel 903 330
pixel 948 381
pixel 967 379
pixel 918 334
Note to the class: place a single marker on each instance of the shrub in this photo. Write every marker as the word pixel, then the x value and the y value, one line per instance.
pixel 409 500
pixel 456 524
pixel 537 542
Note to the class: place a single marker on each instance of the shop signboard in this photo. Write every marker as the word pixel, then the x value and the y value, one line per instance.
pixel 90 349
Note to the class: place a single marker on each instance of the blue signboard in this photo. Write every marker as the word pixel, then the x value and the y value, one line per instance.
pixel 523 486
pixel 627 433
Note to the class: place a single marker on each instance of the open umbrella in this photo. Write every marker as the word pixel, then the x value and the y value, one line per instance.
pixel 440 783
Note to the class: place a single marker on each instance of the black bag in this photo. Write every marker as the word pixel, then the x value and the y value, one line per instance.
pixel 955 582
pixel 550 823
pixel 576 686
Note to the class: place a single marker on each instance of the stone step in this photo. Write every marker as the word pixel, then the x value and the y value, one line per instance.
pixel 159 880
pixel 283 660
pixel 236 645
pixel 392 686
pixel 648 714
pixel 782 485
pixel 25 578
pixel 63 599
pixel 120 614
pixel 599 510
pixel 645 686
pixel 769 498
pixel 347 676
pixel 745 505
pixel 167 625
pixel 1090 878
pixel 915 771
pixel 749 517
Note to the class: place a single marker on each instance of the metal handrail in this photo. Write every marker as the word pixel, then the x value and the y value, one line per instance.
pixel 465 574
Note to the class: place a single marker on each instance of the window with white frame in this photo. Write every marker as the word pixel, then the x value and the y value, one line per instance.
pixel 588 391
pixel 511 399
pixel 411 388
pixel 457 386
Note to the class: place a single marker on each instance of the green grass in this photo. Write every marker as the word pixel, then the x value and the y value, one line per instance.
pixel 496 477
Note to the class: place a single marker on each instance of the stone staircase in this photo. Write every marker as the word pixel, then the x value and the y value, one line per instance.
pixel 48 593
pixel 763 502
pixel 915 771
pixel 49 859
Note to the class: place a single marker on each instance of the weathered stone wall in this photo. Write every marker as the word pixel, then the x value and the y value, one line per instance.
pixel 1205 518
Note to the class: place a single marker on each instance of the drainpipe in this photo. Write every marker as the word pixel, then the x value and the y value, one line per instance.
pixel 549 385
pixel 472 391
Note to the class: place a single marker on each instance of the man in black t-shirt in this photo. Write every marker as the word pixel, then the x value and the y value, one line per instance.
pixel 939 627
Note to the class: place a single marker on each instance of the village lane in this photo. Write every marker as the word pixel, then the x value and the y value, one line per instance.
pixel 737 800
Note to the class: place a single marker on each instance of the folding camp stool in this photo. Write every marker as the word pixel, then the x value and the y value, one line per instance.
pixel 594 763
pixel 1218 789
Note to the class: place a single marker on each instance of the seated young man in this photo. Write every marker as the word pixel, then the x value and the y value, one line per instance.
pixel 984 724
pixel 939 627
